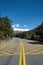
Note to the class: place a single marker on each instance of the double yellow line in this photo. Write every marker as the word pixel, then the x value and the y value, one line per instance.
pixel 22 54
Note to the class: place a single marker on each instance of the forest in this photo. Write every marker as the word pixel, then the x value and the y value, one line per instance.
pixel 34 34
pixel 6 30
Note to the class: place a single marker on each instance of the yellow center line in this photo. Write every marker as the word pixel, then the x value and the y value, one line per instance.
pixel 22 55
pixel 24 59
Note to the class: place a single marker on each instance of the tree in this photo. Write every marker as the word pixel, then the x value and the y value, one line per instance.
pixel 5 27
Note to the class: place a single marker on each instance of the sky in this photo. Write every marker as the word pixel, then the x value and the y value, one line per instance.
pixel 25 14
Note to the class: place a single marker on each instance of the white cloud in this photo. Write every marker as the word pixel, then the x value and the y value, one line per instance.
pixel 20 29
pixel 25 25
pixel 13 26
pixel 17 25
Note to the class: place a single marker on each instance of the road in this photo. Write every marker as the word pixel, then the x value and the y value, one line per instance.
pixel 21 52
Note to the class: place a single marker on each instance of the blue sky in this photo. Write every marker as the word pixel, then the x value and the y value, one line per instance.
pixel 25 14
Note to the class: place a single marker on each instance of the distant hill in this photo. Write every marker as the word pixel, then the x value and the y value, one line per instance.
pixel 16 32
pixel 34 34
pixel 37 32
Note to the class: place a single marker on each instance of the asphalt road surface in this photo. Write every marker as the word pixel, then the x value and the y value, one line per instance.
pixel 21 52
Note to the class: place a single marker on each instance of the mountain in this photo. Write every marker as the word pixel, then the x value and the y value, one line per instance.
pixel 34 34
pixel 16 32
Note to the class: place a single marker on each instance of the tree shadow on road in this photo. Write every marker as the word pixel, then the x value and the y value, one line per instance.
pixel 41 43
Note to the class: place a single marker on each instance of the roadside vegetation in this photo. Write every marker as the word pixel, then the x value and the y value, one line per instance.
pixel 35 34
pixel 6 30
